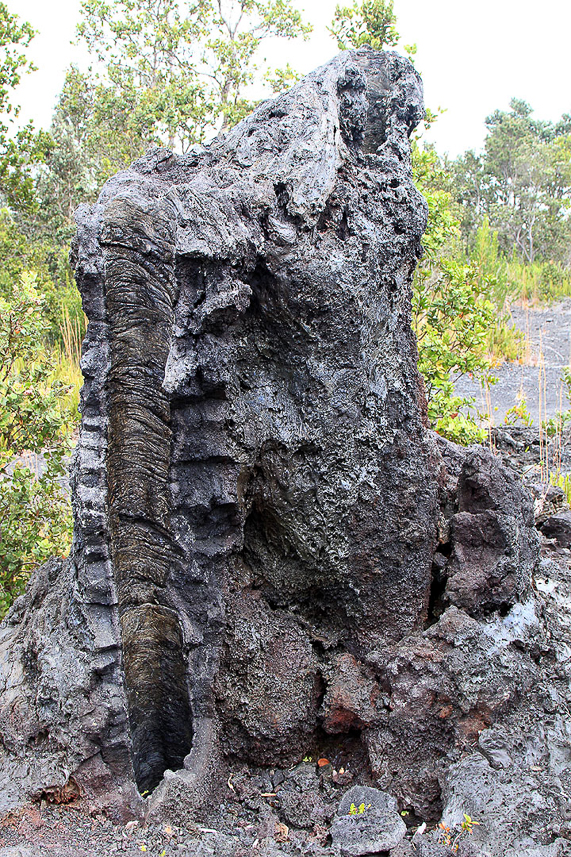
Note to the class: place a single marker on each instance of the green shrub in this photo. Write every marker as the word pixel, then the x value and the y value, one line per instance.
pixel 35 514
pixel 452 312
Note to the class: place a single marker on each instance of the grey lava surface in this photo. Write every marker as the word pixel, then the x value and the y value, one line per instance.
pixel 548 331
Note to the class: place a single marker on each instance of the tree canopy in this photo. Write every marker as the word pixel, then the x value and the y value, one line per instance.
pixel 372 22
pixel 522 183
pixel 172 78
pixel 19 147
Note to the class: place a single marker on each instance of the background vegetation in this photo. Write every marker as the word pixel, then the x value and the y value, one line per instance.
pixel 499 226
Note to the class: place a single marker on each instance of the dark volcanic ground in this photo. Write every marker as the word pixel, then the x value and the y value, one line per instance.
pixel 548 333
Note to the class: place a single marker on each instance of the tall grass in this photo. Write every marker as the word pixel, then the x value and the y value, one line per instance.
pixel 510 280
pixel 67 359
pixel 538 281
pixel 561 480
pixel 505 341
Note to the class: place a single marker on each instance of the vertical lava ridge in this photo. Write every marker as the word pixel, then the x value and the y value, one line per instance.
pixel 137 238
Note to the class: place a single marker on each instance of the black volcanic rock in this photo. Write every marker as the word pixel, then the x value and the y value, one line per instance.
pixel 493 540
pixel 558 527
pixel 254 484
pixel 273 557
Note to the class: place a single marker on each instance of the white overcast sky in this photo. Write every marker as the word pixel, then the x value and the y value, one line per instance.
pixel 473 56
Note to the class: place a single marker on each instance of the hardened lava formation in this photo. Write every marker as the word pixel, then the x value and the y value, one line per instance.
pixel 272 553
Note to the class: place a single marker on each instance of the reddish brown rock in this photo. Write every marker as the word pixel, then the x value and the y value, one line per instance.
pixel 353 698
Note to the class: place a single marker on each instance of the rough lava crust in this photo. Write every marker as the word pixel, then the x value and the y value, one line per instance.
pixel 273 556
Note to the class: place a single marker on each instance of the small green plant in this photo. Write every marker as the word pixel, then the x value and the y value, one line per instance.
pixel 454 424
pixel 553 426
pixel 452 836
pixel 562 480
pixel 519 413
pixel 567 381
pixel 358 810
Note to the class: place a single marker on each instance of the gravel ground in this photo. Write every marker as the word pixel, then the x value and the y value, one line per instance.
pixel 70 831
pixel 548 333
pixel 250 828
